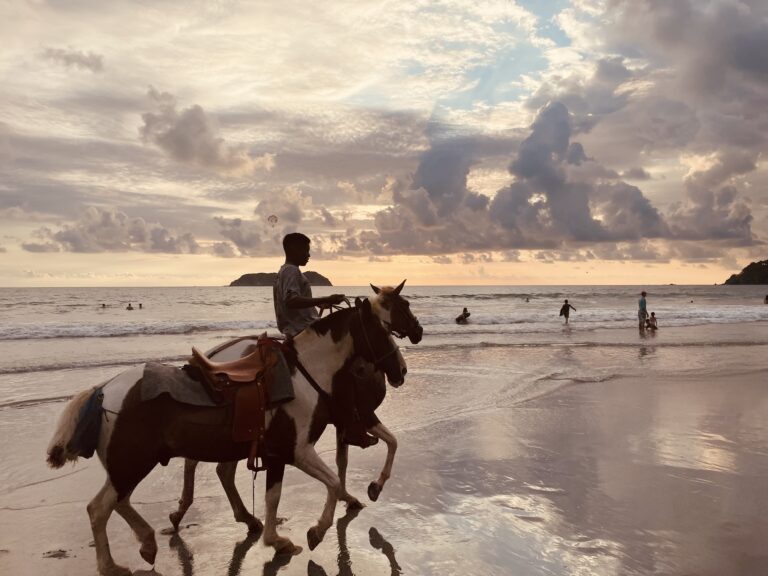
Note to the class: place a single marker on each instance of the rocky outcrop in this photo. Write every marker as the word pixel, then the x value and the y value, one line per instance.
pixel 755 273
pixel 269 278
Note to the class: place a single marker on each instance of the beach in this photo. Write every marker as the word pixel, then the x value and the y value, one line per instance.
pixel 588 450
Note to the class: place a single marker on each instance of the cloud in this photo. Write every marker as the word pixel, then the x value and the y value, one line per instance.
pixel 224 250
pixel 191 136
pixel 636 173
pixel 109 230
pixel 247 236
pixel 328 218
pixel 442 259
pixel 75 59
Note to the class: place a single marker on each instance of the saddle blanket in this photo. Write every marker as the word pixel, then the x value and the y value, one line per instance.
pixel 163 378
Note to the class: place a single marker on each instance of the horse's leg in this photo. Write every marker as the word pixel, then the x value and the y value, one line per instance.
pixel 99 511
pixel 308 461
pixel 281 544
pixel 381 431
pixel 187 493
pixel 342 458
pixel 143 531
pixel 226 472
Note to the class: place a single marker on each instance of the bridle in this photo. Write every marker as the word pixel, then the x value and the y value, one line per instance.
pixel 376 361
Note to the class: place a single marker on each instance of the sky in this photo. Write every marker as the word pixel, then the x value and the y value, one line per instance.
pixel 152 143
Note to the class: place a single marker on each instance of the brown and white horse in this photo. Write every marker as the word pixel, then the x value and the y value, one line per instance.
pixel 140 434
pixel 395 314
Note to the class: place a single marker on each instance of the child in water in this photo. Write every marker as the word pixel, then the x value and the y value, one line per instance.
pixel 462 318
pixel 651 323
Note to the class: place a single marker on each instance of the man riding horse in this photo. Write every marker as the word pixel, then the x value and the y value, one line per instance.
pixel 295 310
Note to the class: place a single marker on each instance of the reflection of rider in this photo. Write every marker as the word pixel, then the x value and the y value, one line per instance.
pixel 295 310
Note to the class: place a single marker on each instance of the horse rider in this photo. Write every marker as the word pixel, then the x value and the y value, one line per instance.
pixel 295 310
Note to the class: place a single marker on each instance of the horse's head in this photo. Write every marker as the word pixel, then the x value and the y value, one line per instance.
pixel 374 344
pixel 395 314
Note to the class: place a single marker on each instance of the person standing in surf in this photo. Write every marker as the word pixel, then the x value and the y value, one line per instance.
pixel 565 310
pixel 642 311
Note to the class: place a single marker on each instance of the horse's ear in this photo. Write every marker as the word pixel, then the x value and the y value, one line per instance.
pixel 376 289
pixel 358 302
pixel 366 304
pixel 399 287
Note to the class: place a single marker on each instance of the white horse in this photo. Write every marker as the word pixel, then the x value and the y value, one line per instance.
pixel 140 434
pixel 394 312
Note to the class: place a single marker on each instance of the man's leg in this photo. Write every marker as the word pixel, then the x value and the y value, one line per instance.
pixel 353 429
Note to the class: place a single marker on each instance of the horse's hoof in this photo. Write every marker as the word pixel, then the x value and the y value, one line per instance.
pixel 354 504
pixel 175 518
pixel 148 551
pixel 373 491
pixel 285 546
pixel 254 525
pixel 313 537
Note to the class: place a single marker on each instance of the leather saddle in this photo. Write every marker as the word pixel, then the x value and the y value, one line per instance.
pixel 245 383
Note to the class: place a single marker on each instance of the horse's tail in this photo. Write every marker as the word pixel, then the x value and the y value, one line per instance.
pixel 60 450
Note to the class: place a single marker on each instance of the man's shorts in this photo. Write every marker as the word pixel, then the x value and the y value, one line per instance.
pixel 642 315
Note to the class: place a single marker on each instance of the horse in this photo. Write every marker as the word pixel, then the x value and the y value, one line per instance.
pixel 395 314
pixel 140 434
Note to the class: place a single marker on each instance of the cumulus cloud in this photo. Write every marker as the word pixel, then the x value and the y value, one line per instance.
pixel 75 59
pixel 246 235
pixel 636 173
pixel 192 136
pixel 110 230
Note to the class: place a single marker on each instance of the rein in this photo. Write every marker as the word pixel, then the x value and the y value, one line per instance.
pixel 323 394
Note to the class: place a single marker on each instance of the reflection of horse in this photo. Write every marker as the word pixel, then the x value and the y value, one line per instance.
pixel 395 314
pixel 144 433
pixel 344 559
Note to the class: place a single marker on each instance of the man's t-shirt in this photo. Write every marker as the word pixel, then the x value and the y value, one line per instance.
pixel 291 282
pixel 641 305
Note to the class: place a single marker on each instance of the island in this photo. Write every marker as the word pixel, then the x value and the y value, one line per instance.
pixel 269 279
pixel 755 273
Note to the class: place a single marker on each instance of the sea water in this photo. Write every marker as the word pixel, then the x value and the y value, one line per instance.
pixel 87 333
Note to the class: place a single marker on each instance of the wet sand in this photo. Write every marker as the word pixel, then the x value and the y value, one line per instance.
pixel 628 476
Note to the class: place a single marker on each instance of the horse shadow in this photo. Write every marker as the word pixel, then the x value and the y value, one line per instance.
pixel 279 561
pixel 187 558
pixel 344 559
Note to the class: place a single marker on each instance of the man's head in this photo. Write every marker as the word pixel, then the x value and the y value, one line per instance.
pixel 642 293
pixel 296 247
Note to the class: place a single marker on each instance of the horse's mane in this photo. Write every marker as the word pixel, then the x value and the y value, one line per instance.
pixel 337 323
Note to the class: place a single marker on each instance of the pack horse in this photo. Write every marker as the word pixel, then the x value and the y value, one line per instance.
pixel 140 433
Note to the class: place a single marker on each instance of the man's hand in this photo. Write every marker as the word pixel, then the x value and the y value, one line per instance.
pixel 334 299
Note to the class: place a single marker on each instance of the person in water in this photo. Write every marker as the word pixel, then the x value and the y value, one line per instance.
pixel 642 311
pixel 651 323
pixel 565 310
pixel 295 310
pixel 129 307
pixel 462 318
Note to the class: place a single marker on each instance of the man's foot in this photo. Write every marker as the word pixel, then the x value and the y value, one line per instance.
pixel 358 438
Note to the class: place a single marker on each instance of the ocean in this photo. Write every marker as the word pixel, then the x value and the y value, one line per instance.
pixel 45 331
pixel 514 351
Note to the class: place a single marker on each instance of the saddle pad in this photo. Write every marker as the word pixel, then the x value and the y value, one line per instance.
pixel 162 378
pixel 281 386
